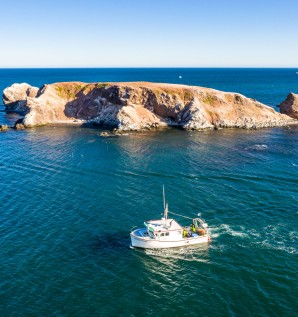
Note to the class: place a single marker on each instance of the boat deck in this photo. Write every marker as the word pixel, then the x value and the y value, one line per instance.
pixel 142 233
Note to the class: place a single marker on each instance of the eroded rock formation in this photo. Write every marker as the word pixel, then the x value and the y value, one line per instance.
pixel 15 96
pixel 139 105
pixel 290 106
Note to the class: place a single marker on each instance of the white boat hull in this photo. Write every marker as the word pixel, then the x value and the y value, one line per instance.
pixel 145 243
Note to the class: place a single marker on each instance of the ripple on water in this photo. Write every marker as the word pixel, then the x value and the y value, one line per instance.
pixel 68 205
pixel 257 147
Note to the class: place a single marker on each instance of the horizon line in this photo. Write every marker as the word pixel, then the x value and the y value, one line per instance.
pixel 153 67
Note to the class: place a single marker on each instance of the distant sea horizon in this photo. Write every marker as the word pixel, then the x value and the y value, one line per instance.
pixel 268 85
pixel 153 67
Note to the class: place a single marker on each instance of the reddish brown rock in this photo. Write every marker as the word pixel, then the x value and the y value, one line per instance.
pixel 290 106
pixel 139 105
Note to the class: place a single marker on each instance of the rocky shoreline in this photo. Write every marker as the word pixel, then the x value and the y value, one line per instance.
pixel 139 106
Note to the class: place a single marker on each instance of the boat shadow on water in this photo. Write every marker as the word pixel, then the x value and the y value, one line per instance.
pixel 109 242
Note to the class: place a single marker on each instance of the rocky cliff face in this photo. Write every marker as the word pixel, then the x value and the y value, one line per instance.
pixel 15 96
pixel 290 106
pixel 136 106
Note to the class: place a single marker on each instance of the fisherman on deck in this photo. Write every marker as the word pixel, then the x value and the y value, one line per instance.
pixel 193 227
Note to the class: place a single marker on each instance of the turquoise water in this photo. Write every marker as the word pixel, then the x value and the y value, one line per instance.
pixel 70 197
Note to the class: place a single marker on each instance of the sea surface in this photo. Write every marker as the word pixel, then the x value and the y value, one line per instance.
pixel 70 197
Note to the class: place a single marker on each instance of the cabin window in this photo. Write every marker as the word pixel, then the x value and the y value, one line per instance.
pixel 167 233
pixel 162 234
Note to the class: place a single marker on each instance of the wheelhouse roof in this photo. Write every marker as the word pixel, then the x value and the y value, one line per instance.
pixel 157 225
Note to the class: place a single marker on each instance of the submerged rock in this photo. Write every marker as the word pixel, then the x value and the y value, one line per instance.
pixel 143 106
pixel 105 134
pixel 3 127
pixel 19 125
pixel 290 106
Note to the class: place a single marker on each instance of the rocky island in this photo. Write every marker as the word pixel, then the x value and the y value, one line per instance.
pixel 290 106
pixel 141 105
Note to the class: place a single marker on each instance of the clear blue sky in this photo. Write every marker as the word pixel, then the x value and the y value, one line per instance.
pixel 149 33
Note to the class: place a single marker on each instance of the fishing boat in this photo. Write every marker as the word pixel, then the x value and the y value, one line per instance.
pixel 168 233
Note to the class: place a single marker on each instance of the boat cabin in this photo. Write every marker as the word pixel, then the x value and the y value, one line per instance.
pixel 162 229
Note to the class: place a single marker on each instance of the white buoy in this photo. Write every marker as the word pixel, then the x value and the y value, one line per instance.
pixel 180 76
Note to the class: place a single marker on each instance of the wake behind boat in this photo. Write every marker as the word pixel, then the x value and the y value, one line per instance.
pixel 168 233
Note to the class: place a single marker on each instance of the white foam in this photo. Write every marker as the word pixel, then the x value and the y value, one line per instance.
pixel 224 228
pixel 277 246
pixel 219 247
pixel 293 235
pixel 254 233
pixel 271 237
pixel 257 147
pixel 197 254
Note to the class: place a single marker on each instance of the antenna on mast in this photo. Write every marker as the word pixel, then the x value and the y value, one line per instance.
pixel 164 197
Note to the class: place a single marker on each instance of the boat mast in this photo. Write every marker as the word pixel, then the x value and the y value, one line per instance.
pixel 165 206
pixel 166 213
pixel 164 197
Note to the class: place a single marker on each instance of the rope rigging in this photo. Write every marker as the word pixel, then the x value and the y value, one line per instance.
pixel 180 215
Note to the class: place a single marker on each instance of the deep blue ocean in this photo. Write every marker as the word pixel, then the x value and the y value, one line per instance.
pixel 69 198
